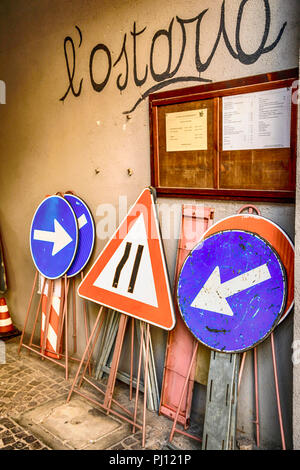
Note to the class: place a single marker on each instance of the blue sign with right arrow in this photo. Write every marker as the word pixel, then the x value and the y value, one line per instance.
pixel 86 235
pixel 232 290
pixel 53 237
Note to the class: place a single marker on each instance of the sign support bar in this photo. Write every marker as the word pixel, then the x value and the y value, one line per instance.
pixel 187 378
pixel 110 328
pixel 41 349
pixel 108 394
pixel 221 402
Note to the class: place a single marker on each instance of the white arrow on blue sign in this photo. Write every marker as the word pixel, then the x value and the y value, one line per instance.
pixel 86 235
pixel 213 294
pixel 53 237
pixel 231 290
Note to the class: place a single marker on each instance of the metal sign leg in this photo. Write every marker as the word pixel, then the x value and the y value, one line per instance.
pixel 257 423
pixel 91 349
pixel 277 392
pixel 47 318
pixel 84 354
pixel 221 402
pixel 66 333
pixel 131 358
pixel 28 310
pixel 146 363
pixel 85 321
pixel 242 368
pixel 37 312
pixel 65 306
pixel 74 318
pixel 115 362
pixel 138 375
pixel 187 378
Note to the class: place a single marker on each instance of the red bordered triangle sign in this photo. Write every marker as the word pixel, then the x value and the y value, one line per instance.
pixel 130 274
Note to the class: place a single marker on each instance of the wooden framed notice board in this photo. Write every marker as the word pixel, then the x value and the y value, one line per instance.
pixel 227 140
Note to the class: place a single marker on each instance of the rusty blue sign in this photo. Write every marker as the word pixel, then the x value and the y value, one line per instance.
pixel 231 290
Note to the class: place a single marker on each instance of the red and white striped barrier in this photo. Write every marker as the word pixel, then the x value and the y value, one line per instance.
pixel 53 349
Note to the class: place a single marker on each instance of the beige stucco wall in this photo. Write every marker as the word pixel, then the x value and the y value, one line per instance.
pixel 47 145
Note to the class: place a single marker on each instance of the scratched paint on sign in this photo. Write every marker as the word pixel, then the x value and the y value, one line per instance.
pixel 232 290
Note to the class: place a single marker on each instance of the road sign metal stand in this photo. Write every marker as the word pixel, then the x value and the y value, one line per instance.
pixel 74 316
pixel 186 381
pixel 110 329
pixel 195 220
pixel 109 391
pixel 41 349
pixel 250 209
pixel 2 353
pixel 278 401
pixel 221 402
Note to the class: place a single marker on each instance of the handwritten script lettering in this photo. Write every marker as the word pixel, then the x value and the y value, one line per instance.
pixel 142 73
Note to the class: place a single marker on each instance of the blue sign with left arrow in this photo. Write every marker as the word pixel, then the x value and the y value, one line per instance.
pixel 53 237
pixel 231 290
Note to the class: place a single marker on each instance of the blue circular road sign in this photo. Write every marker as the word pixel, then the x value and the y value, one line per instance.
pixel 86 234
pixel 232 290
pixel 53 237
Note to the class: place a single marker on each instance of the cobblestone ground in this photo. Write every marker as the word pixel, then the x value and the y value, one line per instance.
pixel 13 437
pixel 27 382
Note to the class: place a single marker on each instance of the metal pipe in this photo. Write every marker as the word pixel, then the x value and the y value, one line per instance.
pixel 109 410
pixel 138 375
pixel 60 328
pixel 256 398
pixel 37 312
pixel 62 355
pixel 92 350
pixel 28 310
pixel 85 321
pixel 74 319
pixel 47 318
pixel 115 361
pixel 103 393
pixel 242 368
pixel 43 355
pixel 183 391
pixel 66 333
pixel 131 358
pixel 277 392
pixel 85 352
pixel 145 385
pixel 199 439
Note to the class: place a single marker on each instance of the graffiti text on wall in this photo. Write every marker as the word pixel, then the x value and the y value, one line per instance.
pixel 170 74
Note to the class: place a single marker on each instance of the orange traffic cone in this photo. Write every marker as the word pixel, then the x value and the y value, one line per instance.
pixel 6 325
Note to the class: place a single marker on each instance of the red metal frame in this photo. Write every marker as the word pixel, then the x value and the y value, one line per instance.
pixel 195 220
pixel 108 393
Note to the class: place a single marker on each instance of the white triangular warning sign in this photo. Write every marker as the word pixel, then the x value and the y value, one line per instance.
pixel 144 288
pixel 130 274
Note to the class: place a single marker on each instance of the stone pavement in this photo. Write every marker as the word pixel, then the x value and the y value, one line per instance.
pixel 34 414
